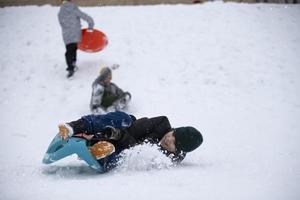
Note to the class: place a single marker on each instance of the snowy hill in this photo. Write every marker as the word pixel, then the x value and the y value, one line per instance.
pixel 231 70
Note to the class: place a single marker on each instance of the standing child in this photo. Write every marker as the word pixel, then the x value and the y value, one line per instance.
pixel 69 18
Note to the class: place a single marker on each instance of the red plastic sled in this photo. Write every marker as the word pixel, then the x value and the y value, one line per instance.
pixel 92 41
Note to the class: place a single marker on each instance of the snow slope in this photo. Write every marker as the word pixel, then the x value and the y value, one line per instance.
pixel 231 70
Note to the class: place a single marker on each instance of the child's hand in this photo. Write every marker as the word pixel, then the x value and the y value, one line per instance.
pixel 83 135
pixel 65 131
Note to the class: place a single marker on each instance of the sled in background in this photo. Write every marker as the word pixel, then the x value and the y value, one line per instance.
pixel 92 41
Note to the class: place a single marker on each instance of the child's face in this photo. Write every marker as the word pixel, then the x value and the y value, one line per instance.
pixel 107 81
pixel 168 142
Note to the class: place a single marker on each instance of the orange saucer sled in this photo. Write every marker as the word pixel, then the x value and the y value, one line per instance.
pixel 93 41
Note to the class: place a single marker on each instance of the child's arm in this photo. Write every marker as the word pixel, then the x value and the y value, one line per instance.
pixel 85 17
pixel 96 99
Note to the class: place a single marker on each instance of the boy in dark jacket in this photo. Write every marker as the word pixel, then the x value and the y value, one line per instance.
pixel 69 19
pixel 112 133
pixel 107 96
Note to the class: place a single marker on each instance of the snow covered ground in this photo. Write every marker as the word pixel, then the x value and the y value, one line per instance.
pixel 231 70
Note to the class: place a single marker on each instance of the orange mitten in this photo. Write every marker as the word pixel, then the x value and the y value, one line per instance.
pixel 102 149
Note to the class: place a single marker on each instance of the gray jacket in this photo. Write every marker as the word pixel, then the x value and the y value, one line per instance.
pixel 69 17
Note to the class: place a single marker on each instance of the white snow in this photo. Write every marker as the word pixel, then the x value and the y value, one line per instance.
pixel 231 70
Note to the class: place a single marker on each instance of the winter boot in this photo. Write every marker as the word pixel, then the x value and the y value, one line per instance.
pixel 75 66
pixel 70 73
pixel 65 131
pixel 122 102
pixel 72 70
pixel 102 149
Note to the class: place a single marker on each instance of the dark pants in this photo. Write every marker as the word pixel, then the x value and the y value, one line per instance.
pixel 71 55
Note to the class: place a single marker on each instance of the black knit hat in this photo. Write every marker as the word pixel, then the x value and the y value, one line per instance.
pixel 187 138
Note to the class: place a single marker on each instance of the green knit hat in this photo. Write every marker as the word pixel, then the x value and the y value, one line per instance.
pixel 187 138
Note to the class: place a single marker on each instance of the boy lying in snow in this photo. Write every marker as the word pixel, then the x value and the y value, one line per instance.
pixel 111 133
pixel 107 96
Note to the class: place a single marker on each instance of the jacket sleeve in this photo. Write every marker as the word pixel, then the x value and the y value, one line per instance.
pixel 97 94
pixel 161 126
pixel 118 91
pixel 152 129
pixel 85 17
